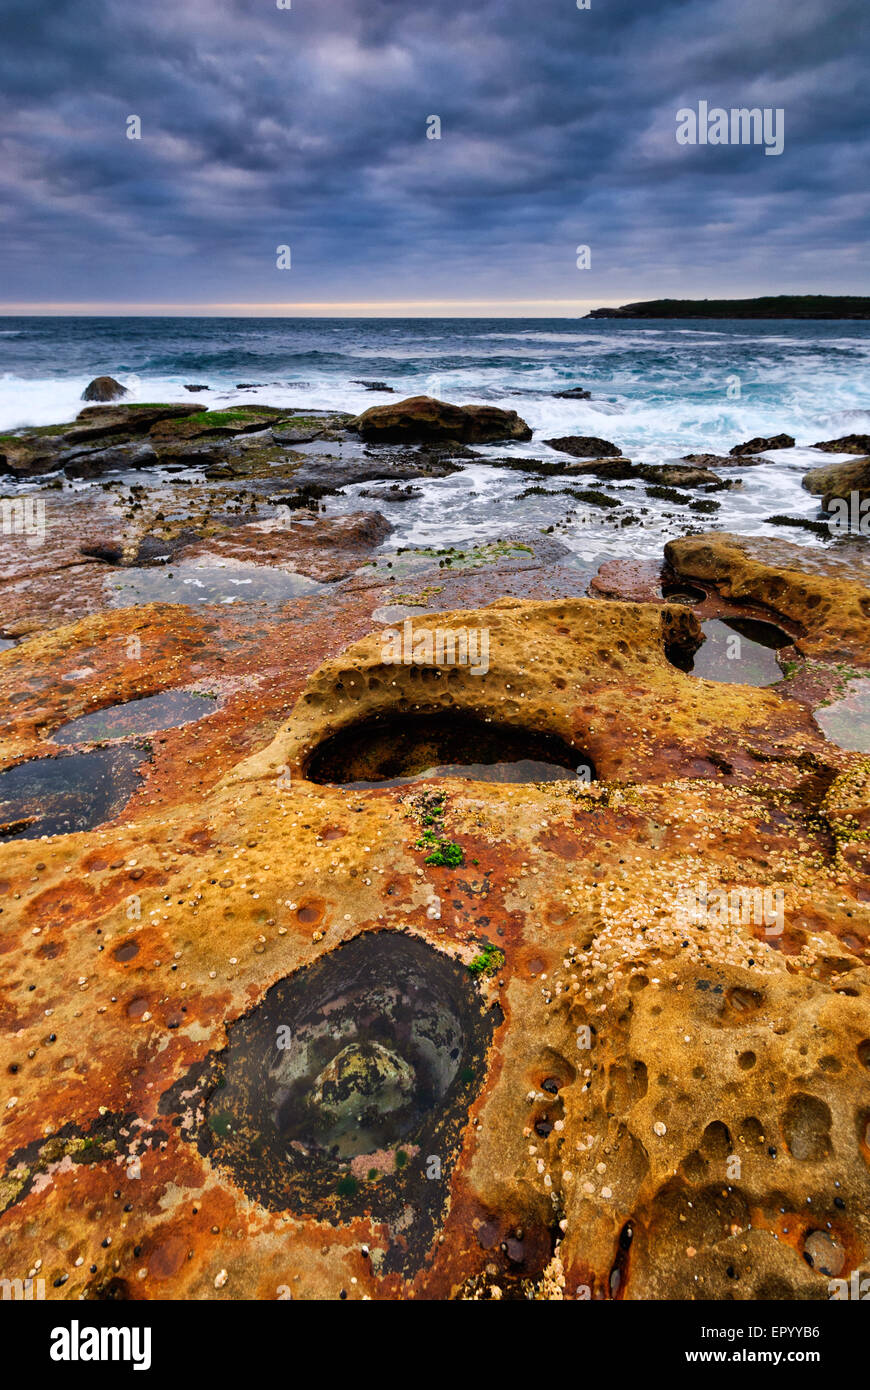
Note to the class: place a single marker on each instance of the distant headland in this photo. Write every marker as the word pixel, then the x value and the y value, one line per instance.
pixel 780 306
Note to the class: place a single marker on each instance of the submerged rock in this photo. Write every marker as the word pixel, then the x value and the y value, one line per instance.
pixel 74 791
pixel 338 1090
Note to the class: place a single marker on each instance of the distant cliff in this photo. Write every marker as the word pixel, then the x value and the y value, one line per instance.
pixel 780 306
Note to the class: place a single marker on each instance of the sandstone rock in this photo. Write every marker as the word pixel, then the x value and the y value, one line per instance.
pixel 90 463
pixel 323 548
pixel 422 419
pixel 240 419
pixel 760 445
pixel 104 388
pixel 632 1055
pixel 846 444
pixel 832 611
pixel 98 421
pixel 29 456
pixel 839 480
pixel 615 469
pixel 562 637
pixel 584 446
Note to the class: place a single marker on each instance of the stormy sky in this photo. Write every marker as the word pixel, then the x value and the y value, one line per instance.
pixel 263 127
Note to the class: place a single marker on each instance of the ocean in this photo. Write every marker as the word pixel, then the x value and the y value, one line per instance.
pixel 660 389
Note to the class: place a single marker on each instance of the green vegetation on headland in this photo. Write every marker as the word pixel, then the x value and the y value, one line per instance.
pixel 779 306
pixel 242 413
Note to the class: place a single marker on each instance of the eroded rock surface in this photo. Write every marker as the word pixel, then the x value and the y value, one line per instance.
pixel 269 1034
pixel 813 590
pixel 651 1057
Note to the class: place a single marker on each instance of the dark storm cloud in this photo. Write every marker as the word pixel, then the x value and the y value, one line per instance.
pixel 307 126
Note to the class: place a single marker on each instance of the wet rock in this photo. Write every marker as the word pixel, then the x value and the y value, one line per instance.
pixel 576 393
pixel 75 791
pixel 677 475
pixel 98 421
pixel 760 445
pixel 846 444
pixel 197 387
pixel 584 446
pixel 801 523
pixel 333 1093
pixel 90 463
pixel 392 493
pixel 669 494
pixel 323 548
pixel 374 386
pixel 303 426
pixel 614 469
pixel 355 464
pixel 610 468
pixel 104 388
pixel 239 419
pixel 29 457
pixel 422 418
pixel 839 480
pixel 720 461
pixel 594 497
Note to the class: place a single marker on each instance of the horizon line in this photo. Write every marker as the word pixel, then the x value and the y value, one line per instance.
pixel 500 308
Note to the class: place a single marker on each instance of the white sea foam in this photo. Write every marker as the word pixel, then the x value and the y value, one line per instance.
pixel 657 391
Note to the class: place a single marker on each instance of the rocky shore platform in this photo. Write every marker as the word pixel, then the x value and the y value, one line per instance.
pixel 286 1013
